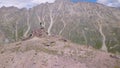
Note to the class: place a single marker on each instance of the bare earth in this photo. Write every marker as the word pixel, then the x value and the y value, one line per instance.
pixel 54 52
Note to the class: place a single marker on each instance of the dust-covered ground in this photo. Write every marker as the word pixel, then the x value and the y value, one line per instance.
pixel 54 52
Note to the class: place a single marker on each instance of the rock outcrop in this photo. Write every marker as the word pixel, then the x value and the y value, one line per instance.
pixel 37 33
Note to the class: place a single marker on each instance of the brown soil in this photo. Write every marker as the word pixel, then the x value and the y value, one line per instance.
pixel 54 52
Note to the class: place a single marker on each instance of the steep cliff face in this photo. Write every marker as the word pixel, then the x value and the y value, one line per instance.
pixel 84 23
pixel 54 52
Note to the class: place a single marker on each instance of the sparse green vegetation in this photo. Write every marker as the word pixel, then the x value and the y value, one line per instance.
pixel 37 49
pixel 80 27
pixel 116 67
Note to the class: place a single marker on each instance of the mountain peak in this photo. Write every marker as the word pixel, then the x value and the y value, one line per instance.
pixel 62 0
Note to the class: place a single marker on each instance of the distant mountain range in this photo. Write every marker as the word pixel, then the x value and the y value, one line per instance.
pixel 86 23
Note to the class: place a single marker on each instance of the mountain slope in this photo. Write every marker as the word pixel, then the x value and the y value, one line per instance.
pixel 54 52
pixel 82 23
